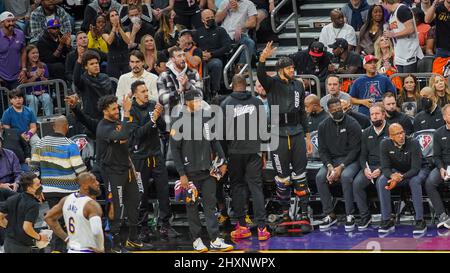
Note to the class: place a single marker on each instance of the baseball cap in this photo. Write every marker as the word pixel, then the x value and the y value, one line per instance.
pixel 6 15
pixel 340 42
pixel 184 31
pixel 53 23
pixel 316 49
pixel 369 58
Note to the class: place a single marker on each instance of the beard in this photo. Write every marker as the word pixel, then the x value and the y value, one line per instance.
pixel 94 192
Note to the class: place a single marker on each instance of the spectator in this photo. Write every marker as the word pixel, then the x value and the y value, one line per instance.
pixel 145 9
pixel 263 8
pixel 43 14
pixel 37 71
pixel 22 12
pixel 384 52
pixel 403 31
pixel 315 60
pixel 58 161
pixel 14 142
pixel 409 96
pixel 161 7
pixel 259 89
pixel 187 13
pixel 91 84
pixel 138 73
pixel 175 81
pixel 315 112
pixel 118 41
pixel 355 13
pixel 394 116
pixel 431 42
pixel 440 12
pixel 344 61
pixel 193 53
pixel 333 89
pixel 98 7
pixel 155 61
pixel 422 28
pixel 370 88
pixel 95 35
pixel 371 30
pixel 431 116
pixel 10 170
pixel 12 52
pixel 20 117
pixel 138 26
pixel 337 29
pixel 23 211
pixel 167 35
pixel 53 48
pixel 424 5
pixel 81 42
pixel 214 42
pixel 237 18
pixel 441 89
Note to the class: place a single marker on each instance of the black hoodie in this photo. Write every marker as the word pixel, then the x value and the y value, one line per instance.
pixel 243 104
pixel 144 138
pixel 290 98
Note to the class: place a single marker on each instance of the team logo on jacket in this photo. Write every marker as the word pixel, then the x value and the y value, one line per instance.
pixel 297 99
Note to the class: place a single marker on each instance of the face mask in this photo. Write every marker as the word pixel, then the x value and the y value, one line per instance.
pixel 38 191
pixel 211 23
pixel 391 113
pixel 427 104
pixel 135 20
pixel 338 116
pixel 377 123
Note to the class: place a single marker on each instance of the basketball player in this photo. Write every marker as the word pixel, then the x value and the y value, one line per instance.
pixel 82 216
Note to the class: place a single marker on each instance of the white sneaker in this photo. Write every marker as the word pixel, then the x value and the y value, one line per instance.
pixel 220 245
pixel 199 246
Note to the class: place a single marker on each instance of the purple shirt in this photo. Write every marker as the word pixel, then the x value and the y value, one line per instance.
pixel 10 54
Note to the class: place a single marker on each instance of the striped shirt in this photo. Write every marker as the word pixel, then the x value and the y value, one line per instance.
pixel 58 160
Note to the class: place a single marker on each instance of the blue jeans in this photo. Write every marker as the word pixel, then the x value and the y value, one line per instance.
pixel 246 40
pixel 415 184
pixel 45 99
pixel 215 67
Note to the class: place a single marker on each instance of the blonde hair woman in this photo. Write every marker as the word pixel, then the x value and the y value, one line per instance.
pixel 441 89
pixel 155 61
pixel 384 51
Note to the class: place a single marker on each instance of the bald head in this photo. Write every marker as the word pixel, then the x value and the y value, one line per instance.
pixel 89 185
pixel 312 104
pixel 312 99
pixel 207 13
pixel 239 83
pixel 85 177
pixel 61 125
pixel 394 128
pixel 397 134
pixel 208 18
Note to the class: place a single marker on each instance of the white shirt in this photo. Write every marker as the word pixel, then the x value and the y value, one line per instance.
pixel 235 19
pixel 329 34
pixel 125 81
pixel 78 227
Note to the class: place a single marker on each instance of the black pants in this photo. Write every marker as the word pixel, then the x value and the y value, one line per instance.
pixel 117 69
pixel 53 200
pixel 245 170
pixel 154 167
pixel 56 71
pixel 291 151
pixel 125 200
pixel 189 21
pixel 206 185
pixel 12 246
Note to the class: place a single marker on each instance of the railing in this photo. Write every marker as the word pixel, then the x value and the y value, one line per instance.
pixel 423 79
pixel 314 83
pixel 57 83
pixel 294 15
pixel 247 67
pixel 4 98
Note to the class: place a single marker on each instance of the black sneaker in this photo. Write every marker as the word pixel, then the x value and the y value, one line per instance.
pixel 145 234
pixel 137 245
pixel 364 223
pixel 327 222
pixel 117 246
pixel 387 226
pixel 420 227
pixel 349 223
pixel 168 231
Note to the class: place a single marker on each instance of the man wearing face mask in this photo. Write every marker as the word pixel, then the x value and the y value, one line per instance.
pixel 394 116
pixel 98 7
pixel 431 116
pixel 214 42
pixel 315 112
pixel 401 160
pixel 58 161
pixel 287 93
pixel 137 26
pixel 369 161
pixel 22 211
pixel 339 146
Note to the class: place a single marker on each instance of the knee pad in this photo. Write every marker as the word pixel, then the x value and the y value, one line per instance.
pixel 283 187
pixel 301 188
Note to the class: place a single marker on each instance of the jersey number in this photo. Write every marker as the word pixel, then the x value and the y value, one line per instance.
pixel 71 225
